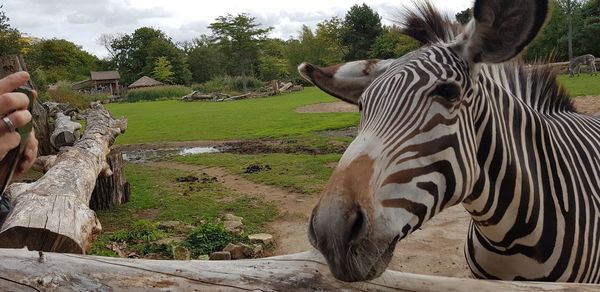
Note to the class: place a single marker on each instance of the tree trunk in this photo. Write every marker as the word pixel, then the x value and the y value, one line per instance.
pixel 300 272
pixel 12 64
pixel 52 214
pixel 111 191
pixel 66 132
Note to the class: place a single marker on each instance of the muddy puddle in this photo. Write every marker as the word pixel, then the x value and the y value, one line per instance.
pixel 145 155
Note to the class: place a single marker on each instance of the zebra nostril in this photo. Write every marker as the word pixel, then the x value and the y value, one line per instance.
pixel 359 226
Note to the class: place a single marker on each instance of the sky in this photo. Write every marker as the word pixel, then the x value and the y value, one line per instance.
pixel 84 21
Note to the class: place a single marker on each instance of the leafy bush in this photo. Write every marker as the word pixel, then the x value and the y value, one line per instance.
pixel 229 84
pixel 141 231
pixel 65 94
pixel 157 93
pixel 208 238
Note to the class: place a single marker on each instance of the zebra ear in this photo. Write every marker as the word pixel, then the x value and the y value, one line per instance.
pixel 501 29
pixel 345 81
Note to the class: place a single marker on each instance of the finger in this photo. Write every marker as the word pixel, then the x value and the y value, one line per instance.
pixel 10 102
pixel 19 118
pixel 8 141
pixel 11 82
pixel 27 161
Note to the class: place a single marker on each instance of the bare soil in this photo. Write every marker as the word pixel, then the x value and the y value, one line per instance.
pixel 437 249
pixel 330 107
pixel 589 105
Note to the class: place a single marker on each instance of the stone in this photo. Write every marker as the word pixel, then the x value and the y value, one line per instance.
pixel 231 217
pixel 239 251
pixel 203 257
pixel 220 256
pixel 263 238
pixel 181 253
pixel 169 225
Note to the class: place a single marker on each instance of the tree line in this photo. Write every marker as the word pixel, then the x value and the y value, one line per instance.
pixel 239 46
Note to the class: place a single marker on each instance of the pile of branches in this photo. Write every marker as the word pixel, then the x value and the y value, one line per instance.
pixel 275 88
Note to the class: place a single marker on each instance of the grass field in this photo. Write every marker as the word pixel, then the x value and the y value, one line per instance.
pixel 248 119
pixel 583 85
pixel 296 172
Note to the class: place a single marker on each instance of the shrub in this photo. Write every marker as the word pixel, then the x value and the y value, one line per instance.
pixel 229 84
pixel 65 94
pixel 208 238
pixel 141 231
pixel 157 93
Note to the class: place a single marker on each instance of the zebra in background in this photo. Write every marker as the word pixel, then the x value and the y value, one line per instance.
pixel 577 62
pixel 458 122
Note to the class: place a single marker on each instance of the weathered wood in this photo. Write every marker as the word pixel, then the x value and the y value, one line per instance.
pixel 44 163
pixel 299 272
pixel 66 132
pixel 53 214
pixel 111 191
pixel 238 97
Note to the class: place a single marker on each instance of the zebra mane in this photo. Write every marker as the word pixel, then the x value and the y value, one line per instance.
pixel 536 85
pixel 428 25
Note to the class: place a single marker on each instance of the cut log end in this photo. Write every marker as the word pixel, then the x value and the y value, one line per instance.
pixel 18 237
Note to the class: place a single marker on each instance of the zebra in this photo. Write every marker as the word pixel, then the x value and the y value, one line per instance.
pixel 461 121
pixel 575 64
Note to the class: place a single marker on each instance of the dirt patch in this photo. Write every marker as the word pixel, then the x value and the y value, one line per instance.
pixel 589 105
pixel 436 249
pixel 331 107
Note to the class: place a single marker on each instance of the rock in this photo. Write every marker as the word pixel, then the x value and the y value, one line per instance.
pixel 133 255
pixel 231 217
pixel 203 257
pixel 256 168
pixel 181 253
pixel 300 201
pixel 220 256
pixel 239 251
pixel 169 225
pixel 263 238
pixel 233 223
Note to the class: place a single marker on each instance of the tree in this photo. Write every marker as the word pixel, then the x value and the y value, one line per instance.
pixel 309 48
pixel 392 43
pixel 570 7
pixel 332 32
pixel 205 60
pixel 464 16
pixel 239 37
pixel 61 60
pixel 163 70
pixel 9 37
pixel 135 55
pixel 363 26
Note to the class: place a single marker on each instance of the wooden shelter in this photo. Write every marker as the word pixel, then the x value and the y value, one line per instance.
pixel 145 82
pixel 101 82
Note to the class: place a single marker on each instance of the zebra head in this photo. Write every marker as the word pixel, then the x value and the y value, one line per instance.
pixel 416 149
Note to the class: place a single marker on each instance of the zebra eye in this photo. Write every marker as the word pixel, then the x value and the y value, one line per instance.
pixel 448 91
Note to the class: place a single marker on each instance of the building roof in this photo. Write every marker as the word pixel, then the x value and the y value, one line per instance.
pixel 105 75
pixel 145 82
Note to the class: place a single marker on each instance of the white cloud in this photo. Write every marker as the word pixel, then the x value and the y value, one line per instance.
pixel 83 21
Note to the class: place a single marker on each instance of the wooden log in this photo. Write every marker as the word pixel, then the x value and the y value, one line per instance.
pixel 66 132
pixel 238 97
pixel 111 191
pixel 53 214
pixel 300 272
pixel 12 64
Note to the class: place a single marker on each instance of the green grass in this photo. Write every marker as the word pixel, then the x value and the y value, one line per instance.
pixel 297 172
pixel 247 119
pixel 583 85
pixel 157 196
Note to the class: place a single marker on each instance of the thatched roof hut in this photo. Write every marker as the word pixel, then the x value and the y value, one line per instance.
pixel 145 82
